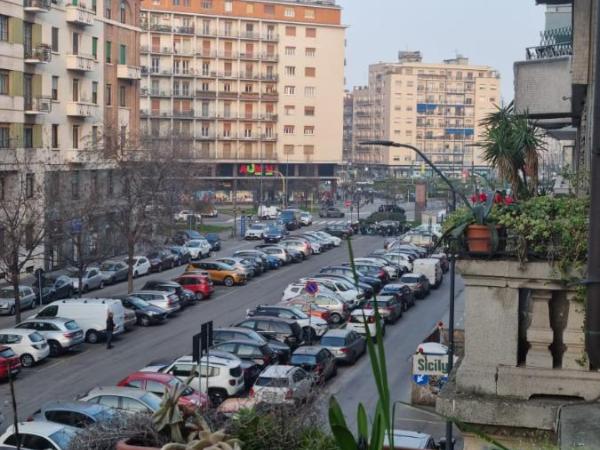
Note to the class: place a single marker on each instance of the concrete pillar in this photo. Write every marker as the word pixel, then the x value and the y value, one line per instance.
pixel 573 337
pixel 540 334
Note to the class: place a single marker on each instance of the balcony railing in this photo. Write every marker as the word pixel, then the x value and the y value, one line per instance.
pixel 249 35
pixel 34 6
pixel 184 30
pixel 37 105
pixel 205 94
pixel 553 43
pixel 80 62
pixel 127 72
pixel 40 54
pixel 80 15
pixel 81 109
pixel 184 114
pixel 162 28
pixel 250 55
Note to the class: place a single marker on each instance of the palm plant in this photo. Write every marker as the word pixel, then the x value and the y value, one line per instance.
pixel 512 144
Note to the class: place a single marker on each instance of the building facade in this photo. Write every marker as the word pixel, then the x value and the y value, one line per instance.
pixel 252 88
pixel 348 126
pixel 435 107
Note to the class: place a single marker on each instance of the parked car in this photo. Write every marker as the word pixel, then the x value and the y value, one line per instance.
pixel 339 230
pixel 158 263
pixel 443 258
pixel 331 212
pixel 210 211
pixel 38 435
pixel 267 212
pixel 250 369
pixel 268 261
pixel 126 399
pixel 346 345
pixel 30 346
pixel 260 354
pixel 347 271
pixel 372 270
pixel 145 313
pixel 167 301
pixel 141 266
pixel 277 251
pixel 225 375
pixel 214 240
pixel 231 333
pixel 114 271
pixel 316 246
pixel 338 309
pixel 309 309
pixel 172 287
pixel 297 245
pixel 185 215
pixel 10 363
pixel 73 413
pixel 89 313
pixel 273 234
pixel 290 219
pixel 405 439
pixel 313 327
pixel 284 330
pixel 394 270
pixel 182 254
pixel 190 400
pixel 219 272
pixel 199 284
pixel 360 317
pixel 417 282
pixel 91 279
pixel 325 242
pixel 334 239
pixel 316 360
pixel 431 268
pixel 365 288
pixel 406 295
pixel 255 231
pixel 60 333
pixel 282 385
pixel 243 265
pixel 27 299
pixel 54 287
pixel 198 248
pixel 306 218
pixel 344 289
pixel 388 305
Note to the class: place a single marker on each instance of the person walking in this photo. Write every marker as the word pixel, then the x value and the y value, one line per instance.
pixel 110 327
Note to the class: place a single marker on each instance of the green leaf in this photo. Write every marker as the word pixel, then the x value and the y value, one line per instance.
pixel 336 416
pixel 344 438
pixel 362 422
pixel 378 430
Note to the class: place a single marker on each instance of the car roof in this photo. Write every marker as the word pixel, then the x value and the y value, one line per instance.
pixel 241 341
pixel 156 376
pixel 271 318
pixel 408 439
pixel 308 350
pixel 416 274
pixel 278 371
pixel 148 291
pixel 44 428
pixel 20 331
pixel 117 390
pixel 48 320
pixel 238 329
pixel 215 360
pixel 360 312
pixel 166 282
pixel 340 332
pixel 74 405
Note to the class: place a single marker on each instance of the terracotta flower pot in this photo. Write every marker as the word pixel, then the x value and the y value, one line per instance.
pixel 479 239
pixel 124 445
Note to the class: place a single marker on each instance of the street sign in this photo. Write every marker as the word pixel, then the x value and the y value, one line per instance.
pixel 76 226
pixel 421 380
pixel 311 288
pixel 202 341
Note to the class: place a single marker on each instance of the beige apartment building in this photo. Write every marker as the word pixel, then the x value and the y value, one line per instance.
pixel 69 70
pixel 437 107
pixel 253 88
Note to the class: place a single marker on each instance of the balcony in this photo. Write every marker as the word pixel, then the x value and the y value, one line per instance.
pixel 228 55
pixel 206 115
pixel 184 30
pixel 269 137
pixel 250 56
pixel 184 73
pixel 82 109
pixel 272 37
pixel 228 94
pixel 249 76
pixel 181 93
pixel 554 43
pixel 210 136
pixel 81 63
pixel 36 6
pixel 206 53
pixel 184 114
pixel 37 105
pixel 127 72
pixel 269 57
pixel 156 92
pixel 270 96
pixel 80 15
pixel 249 35
pixel 40 54
pixel 203 74
pixel 205 94
pixel 249 96
pixel 205 32
pixel 161 28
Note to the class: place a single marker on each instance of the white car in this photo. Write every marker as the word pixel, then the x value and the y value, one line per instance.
pixel 141 266
pixel 255 231
pixel 282 385
pixel 293 290
pixel 306 218
pixel 92 279
pixel 225 375
pixel 185 214
pixel 393 272
pixel 357 323
pixel 198 248
pixel 39 435
pixel 30 346
pixel 336 240
pixel 344 289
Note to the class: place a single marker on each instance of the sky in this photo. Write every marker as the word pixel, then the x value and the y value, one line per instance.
pixel 488 32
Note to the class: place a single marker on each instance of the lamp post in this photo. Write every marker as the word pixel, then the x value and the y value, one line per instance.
pixel 452 260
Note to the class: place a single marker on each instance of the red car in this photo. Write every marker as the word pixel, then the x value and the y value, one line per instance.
pixel 199 284
pixel 189 402
pixel 10 364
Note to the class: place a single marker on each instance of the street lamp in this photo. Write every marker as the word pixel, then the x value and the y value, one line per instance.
pixel 452 258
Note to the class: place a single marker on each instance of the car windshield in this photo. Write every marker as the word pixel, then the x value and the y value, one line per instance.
pixel 71 325
pixel 135 301
pixel 36 337
pixel 104 414
pixel 300 313
pixel 303 359
pixel 7 353
pixel 256 226
pixel 186 391
pixel 332 341
pixel 151 400
pixel 72 272
pixel 272 382
pixel 108 267
pixel 409 279
pixel 7 293
pixel 62 437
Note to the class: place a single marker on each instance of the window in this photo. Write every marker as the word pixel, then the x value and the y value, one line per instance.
pixel 54 88
pixel 94 145
pixel 29 184
pixel 108 95
pixel 3 82
pixel 107 10
pixel 309 13
pixel 228 6
pixel 289 90
pixel 75 87
pixel 122 96
pixel 123 12
pixel 95 47
pixel 122 54
pixel 288 149
pixel 290 31
pixel 310 52
pixel 110 188
pixel 75 180
pixel 309 111
pixel 309 130
pixel 311 32
pixel 75 136
pixel 3 27
pixel 4 136
pixel 249 8
pixel 309 91
pixel 290 71
pixel 28 137
pixel 95 92
pixel 269 9
pixel 175 2
pixel 309 149
pixel 289 12
pixel 123 135
pixel 207 4
pixel 290 110
pixel 107 51
pixel 310 72
pixel 54 135
pixel 290 51
pixel 54 39
pixel 288 129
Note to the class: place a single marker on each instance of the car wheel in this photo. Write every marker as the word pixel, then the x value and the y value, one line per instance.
pixel 336 319
pixel 12 310
pixel 199 296
pixel 92 337
pixel 145 321
pixel 27 360
pixel 85 288
pixel 217 396
pixel 102 284
pixel 33 303
pixel 135 274
pixel 228 281
pixel 55 348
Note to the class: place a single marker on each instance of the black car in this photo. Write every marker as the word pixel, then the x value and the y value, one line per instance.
pixel 273 235
pixel 283 330
pixel 341 231
pixel 55 286
pixel 170 286
pixel 145 313
pixel 181 254
pixel 114 271
pixel 331 212
pixel 374 270
pixel 259 256
pixel 227 334
pixel 160 260
pixel 261 354
pixel 250 369
pixel 348 272
pixel 214 240
pixel 406 295
pixel 316 360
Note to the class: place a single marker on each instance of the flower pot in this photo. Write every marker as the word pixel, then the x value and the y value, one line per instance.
pixel 124 445
pixel 479 240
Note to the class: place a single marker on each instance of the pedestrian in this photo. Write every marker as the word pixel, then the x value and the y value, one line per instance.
pixel 110 327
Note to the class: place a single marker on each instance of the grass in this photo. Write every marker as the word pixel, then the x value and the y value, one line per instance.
pixel 205 228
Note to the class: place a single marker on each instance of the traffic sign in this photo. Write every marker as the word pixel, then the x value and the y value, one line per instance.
pixel 421 380
pixel 311 288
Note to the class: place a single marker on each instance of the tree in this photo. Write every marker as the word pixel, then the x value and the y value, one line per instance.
pixel 22 225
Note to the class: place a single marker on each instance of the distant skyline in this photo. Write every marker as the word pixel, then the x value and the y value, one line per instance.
pixel 488 32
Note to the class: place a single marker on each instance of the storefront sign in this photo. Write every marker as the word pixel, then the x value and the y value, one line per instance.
pixel 257 169
pixel 424 364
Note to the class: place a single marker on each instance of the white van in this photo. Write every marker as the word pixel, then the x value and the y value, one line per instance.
pixel 89 313
pixel 431 268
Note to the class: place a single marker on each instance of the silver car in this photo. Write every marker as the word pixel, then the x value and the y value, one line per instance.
pixel 169 301
pixel 239 263
pixel 125 399
pixel 92 279
pixel 27 299
pixel 60 333
pixel 346 345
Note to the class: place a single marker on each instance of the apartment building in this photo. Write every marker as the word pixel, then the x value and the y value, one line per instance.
pixel 249 87
pixel 437 107
pixel 347 129
pixel 67 76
